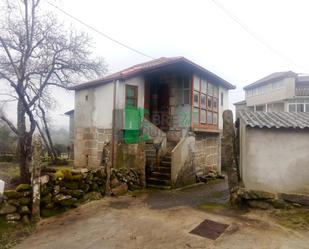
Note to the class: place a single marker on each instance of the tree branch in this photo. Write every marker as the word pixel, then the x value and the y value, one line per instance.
pixel 10 124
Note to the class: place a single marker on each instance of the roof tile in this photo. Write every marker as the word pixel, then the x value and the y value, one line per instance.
pixel 275 119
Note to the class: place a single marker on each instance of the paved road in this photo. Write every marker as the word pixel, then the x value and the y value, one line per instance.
pixel 159 219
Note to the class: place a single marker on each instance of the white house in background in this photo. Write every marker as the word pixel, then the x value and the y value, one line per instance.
pixel 281 91
pixel 274 151
pixel 175 104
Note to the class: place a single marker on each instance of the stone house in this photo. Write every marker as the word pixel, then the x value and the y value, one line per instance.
pixel 274 151
pixel 280 91
pixel 169 109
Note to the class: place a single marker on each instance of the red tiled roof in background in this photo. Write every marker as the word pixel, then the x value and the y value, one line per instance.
pixel 146 66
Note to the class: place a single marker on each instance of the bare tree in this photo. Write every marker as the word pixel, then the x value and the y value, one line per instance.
pixel 36 53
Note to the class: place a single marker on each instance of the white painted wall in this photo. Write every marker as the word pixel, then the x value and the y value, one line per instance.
pixel 97 111
pixel 275 160
pixel 225 104
pixel 272 95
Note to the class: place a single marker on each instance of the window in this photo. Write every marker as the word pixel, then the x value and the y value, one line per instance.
pixel 205 102
pixel 292 108
pixel 221 99
pixel 131 96
pixel 298 107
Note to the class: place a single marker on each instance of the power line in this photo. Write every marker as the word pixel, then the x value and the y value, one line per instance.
pixel 99 32
pixel 255 36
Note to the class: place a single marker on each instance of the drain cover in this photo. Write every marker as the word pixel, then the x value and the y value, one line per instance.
pixel 209 229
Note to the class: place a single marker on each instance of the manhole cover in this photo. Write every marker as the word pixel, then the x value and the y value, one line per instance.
pixel 209 229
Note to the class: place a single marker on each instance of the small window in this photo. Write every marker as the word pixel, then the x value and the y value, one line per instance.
pixel 196 83
pixel 131 96
pixel 292 108
pixel 307 108
pixel 203 116
pixel 86 97
pixel 221 99
pixel 196 99
pixel 195 115
pixel 209 102
pixel 203 101
pixel 210 89
pixel 215 118
pixel 209 117
pixel 215 104
pixel 300 108
pixel 203 86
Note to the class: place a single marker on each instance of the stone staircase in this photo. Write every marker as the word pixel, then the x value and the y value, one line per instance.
pixel 160 176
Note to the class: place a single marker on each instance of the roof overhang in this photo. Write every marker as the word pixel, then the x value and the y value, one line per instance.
pixel 126 74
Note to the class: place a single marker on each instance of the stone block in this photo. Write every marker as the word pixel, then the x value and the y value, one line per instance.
pixel 296 198
pixel 13 217
pixel 7 209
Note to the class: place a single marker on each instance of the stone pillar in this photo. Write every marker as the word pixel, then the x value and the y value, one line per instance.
pixel 107 163
pixel 35 178
pixel 228 150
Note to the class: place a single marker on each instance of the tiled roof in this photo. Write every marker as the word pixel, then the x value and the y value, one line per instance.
pixel 147 66
pixel 271 77
pixel 275 119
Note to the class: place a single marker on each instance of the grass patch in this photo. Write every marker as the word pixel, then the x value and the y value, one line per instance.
pixel 297 218
pixel 12 234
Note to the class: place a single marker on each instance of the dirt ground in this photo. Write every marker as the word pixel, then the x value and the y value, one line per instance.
pixel 163 219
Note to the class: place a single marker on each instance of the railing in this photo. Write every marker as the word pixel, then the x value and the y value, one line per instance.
pixel 180 156
pixel 155 134
pixel 302 91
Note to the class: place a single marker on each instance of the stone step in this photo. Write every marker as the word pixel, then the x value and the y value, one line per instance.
pixel 158 181
pixel 163 169
pixel 159 186
pixel 161 175
pixel 165 164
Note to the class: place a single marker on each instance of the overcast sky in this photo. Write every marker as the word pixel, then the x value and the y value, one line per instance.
pixel 239 40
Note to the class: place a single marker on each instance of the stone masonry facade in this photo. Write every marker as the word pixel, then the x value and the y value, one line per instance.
pixel 88 146
pixel 207 153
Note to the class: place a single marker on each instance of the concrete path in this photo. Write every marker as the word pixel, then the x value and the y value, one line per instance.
pixel 160 219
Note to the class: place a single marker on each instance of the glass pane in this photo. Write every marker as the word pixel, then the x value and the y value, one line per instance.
pixel 196 83
pixel 203 101
pixel 221 99
pixel 210 89
pixel 203 86
pixel 186 97
pixel 131 103
pixel 292 108
pixel 209 102
pixel 130 91
pixel 196 99
pixel 216 91
pixel 209 117
pixel 215 104
pixel 195 116
pixel 307 108
pixel 300 107
pixel 203 116
pixel 215 118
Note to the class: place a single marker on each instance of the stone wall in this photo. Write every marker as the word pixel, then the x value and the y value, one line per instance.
pixel 88 146
pixel 206 153
pixel 65 189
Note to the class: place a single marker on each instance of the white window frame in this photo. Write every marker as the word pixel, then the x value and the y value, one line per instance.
pixel 304 106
